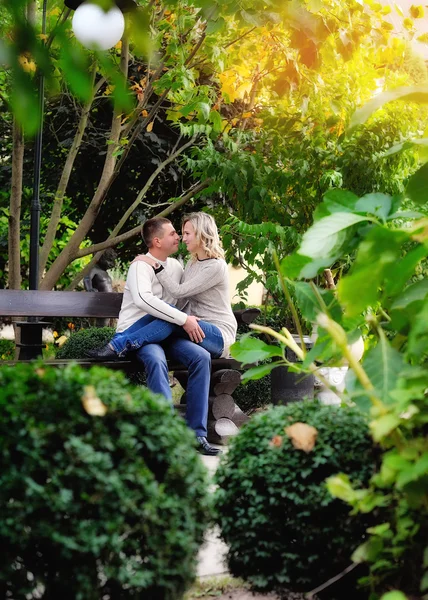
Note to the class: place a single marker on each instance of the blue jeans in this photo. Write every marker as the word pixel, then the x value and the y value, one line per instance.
pixel 198 363
pixel 150 330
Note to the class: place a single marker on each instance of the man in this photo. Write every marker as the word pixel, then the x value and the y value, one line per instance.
pixel 144 294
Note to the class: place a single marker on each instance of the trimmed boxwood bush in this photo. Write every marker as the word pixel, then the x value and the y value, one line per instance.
pixel 95 506
pixel 283 528
pixel 83 340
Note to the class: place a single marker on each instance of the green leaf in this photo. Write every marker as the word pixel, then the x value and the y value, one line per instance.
pixel 417 188
pixel 291 266
pixel 376 262
pixel 413 293
pixel 340 486
pixel 405 270
pixel 335 200
pixel 405 146
pixel 394 595
pixel 375 204
pixel 327 236
pixel 357 393
pixel 215 119
pixel 383 426
pixel 383 365
pixel 258 372
pixel 417 346
pixel 412 93
pixel 307 300
pixel 415 472
pixel 369 551
pixel 77 70
pixel 250 350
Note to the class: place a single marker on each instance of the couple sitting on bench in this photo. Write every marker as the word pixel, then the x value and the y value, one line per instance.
pixel 184 316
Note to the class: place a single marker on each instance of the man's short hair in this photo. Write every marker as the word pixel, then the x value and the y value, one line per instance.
pixel 153 228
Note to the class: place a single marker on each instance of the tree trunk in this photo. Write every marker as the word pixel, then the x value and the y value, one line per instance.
pixel 65 178
pixel 69 252
pixel 32 12
pixel 15 208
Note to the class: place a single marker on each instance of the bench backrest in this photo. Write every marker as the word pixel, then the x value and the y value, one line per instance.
pixel 37 303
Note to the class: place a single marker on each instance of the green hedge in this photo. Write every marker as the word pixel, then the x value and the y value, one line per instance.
pixel 7 350
pixel 102 494
pixel 283 528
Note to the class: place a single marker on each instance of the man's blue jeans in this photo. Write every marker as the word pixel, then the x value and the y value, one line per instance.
pixel 150 330
pixel 198 363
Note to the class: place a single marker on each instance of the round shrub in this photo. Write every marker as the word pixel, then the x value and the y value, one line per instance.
pixel 282 526
pixel 102 494
pixel 83 340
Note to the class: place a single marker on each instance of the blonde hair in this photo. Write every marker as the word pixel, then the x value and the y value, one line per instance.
pixel 206 233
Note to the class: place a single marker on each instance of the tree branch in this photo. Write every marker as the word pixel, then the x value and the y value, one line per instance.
pixel 65 178
pixel 98 249
pixel 68 253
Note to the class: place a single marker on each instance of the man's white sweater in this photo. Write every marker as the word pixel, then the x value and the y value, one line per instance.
pixel 143 294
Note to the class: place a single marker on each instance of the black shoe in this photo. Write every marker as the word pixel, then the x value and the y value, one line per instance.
pixel 205 448
pixel 104 353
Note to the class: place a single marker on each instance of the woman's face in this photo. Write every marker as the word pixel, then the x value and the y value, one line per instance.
pixel 189 237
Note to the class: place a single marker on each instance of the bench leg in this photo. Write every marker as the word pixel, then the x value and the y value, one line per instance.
pixel 224 416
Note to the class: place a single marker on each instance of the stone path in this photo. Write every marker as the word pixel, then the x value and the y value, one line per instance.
pixel 212 553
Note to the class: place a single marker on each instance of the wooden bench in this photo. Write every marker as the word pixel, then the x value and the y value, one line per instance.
pixel 36 306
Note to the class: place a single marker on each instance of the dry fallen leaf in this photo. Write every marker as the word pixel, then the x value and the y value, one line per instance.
pixel 276 441
pixel 149 127
pixel 303 436
pixel 91 403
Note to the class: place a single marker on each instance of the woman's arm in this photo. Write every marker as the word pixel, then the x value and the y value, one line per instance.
pixel 209 275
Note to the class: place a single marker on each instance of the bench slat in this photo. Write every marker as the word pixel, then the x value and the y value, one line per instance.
pixel 36 303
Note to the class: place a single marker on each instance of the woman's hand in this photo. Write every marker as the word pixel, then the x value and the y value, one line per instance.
pixel 146 259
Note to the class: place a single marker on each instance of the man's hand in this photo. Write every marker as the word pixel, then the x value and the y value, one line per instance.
pixel 146 259
pixel 193 330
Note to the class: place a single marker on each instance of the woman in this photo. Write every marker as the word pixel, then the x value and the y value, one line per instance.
pixel 203 292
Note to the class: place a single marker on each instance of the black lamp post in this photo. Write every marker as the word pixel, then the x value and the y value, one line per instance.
pixel 35 203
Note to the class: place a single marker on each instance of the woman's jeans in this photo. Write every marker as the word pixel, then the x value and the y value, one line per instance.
pixel 151 330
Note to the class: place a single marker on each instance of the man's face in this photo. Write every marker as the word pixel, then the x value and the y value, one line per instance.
pixel 170 240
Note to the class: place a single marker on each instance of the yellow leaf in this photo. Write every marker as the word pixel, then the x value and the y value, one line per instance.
pixel 423 38
pixel 408 23
pixel 303 436
pixel 417 12
pixel 61 340
pixel 119 45
pixel 55 12
pixel 144 113
pixel 150 126
pixel 247 114
pixel 91 403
